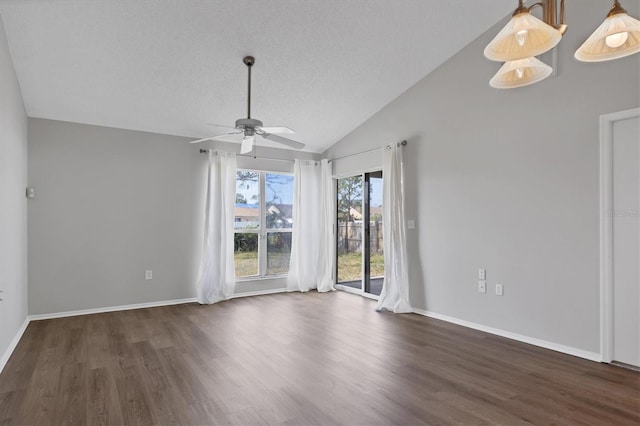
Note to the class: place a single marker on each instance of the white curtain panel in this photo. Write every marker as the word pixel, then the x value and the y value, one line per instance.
pixel 327 247
pixel 395 288
pixel 310 244
pixel 216 277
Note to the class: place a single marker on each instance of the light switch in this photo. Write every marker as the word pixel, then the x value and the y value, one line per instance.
pixel 482 286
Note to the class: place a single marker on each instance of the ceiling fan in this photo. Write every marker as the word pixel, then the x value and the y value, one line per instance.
pixel 250 128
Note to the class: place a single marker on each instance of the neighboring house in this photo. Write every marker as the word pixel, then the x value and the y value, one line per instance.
pixel 249 215
pixel 375 214
pixel 355 214
pixel 279 215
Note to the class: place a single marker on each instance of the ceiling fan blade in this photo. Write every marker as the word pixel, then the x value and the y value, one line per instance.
pixel 283 141
pixel 216 138
pixel 220 125
pixel 229 137
pixel 277 129
pixel 202 140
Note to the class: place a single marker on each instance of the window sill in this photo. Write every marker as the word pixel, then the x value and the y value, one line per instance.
pixel 265 278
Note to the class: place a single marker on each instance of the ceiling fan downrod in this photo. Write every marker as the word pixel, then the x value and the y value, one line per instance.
pixel 249 61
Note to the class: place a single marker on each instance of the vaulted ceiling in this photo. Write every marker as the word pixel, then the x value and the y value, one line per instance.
pixel 171 66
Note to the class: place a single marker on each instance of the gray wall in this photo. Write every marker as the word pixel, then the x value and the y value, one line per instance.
pixel 111 204
pixel 13 204
pixel 508 181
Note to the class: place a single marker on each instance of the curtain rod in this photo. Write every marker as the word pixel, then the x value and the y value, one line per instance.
pixel 401 143
pixel 206 151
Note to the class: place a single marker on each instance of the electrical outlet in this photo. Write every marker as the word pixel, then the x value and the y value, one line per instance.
pixel 482 274
pixel 148 275
pixel 499 290
pixel 482 286
pixel 411 224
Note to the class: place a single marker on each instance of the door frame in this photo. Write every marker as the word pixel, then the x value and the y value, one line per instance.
pixel 606 228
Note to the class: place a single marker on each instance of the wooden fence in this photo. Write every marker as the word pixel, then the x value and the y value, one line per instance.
pixel 350 237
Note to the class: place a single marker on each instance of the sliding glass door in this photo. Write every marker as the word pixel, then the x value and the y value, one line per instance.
pixel 349 232
pixel 373 250
pixel 360 255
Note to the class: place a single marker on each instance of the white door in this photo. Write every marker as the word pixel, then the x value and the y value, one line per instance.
pixel 625 227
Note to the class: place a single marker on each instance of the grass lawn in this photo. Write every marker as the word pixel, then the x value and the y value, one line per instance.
pixel 350 266
pixel 247 263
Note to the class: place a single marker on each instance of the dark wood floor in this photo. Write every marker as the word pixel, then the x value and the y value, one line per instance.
pixel 298 359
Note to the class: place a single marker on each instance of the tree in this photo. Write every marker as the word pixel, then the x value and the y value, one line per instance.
pixel 276 184
pixel 349 196
pixel 245 180
pixel 245 242
pixel 278 190
pixel 243 176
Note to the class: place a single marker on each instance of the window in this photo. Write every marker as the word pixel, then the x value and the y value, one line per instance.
pixel 263 223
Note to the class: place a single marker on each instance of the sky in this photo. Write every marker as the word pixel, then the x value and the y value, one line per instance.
pixel 279 189
pixel 376 192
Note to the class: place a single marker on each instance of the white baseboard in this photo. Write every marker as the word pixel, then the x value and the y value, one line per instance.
pixel 592 356
pixel 141 305
pixel 110 309
pixel 259 293
pixel 13 344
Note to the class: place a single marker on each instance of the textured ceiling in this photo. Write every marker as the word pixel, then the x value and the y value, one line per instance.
pixel 170 66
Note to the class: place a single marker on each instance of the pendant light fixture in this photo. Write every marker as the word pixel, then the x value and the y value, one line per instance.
pixel 521 72
pixel 526 36
pixel 618 36
pixel 523 38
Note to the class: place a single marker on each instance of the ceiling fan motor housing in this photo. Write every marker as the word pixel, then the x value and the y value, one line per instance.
pixel 248 123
